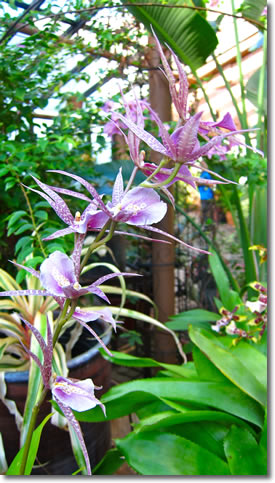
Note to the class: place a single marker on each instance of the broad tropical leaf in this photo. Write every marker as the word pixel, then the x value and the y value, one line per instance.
pixel 175 455
pixel 183 29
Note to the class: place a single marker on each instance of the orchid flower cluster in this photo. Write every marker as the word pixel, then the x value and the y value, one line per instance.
pixel 247 321
pixel 133 207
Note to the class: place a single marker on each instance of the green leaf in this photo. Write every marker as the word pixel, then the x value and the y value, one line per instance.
pixel 198 317
pixel 252 10
pixel 244 455
pixel 24 241
pixel 130 396
pixel 34 384
pixel 184 30
pixel 228 297
pixel 111 461
pixel 16 216
pixel 14 468
pixel 225 360
pixel 3 461
pixel 128 360
pixel 168 419
pixel 42 215
pixel 25 227
pixel 253 359
pixel 168 454
pixel 206 370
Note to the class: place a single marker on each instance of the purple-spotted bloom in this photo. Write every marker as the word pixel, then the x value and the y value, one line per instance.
pixel 138 207
pixel 69 394
pixel 58 276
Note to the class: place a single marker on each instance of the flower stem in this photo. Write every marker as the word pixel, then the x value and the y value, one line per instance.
pixel 99 241
pixel 157 170
pixel 166 181
pixel 63 318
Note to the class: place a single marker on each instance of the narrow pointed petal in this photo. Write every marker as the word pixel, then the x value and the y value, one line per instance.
pixel 75 194
pixel 52 203
pixel 36 334
pixel 166 138
pixel 169 195
pixel 84 183
pixel 118 188
pixel 35 358
pixel 33 272
pixel 103 279
pixel 94 334
pixel 144 135
pixel 168 72
pixel 181 104
pixel 136 235
pixel 76 255
pixel 217 140
pixel 12 293
pixel 96 291
pixel 157 230
pixel 59 233
pixel 48 355
pixel 60 206
pixel 75 424
pixel 186 137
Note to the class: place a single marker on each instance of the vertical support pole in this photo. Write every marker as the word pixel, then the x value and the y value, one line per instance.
pixel 162 254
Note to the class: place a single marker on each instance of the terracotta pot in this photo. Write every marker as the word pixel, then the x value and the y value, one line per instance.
pixel 55 452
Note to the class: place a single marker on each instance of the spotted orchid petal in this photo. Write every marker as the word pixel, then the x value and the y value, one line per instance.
pixel 168 235
pixel 47 350
pixel 85 183
pixel 12 293
pixel 136 235
pixel 57 203
pixel 167 140
pixel 78 395
pixel 59 233
pixel 76 255
pixel 79 317
pixel 169 74
pixel 76 426
pixel 32 271
pixel 152 142
pixel 57 273
pixel 117 189
pixel 74 194
pixel 186 138
pixel 141 206
pixel 226 123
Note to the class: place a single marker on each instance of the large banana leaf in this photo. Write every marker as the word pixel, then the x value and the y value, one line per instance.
pixel 252 9
pixel 185 30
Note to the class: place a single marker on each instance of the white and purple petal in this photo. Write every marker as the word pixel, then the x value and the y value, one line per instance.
pixel 57 272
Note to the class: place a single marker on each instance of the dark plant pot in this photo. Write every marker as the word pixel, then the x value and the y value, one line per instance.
pixel 55 452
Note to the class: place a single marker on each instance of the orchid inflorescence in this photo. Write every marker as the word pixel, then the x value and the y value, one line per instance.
pixel 138 207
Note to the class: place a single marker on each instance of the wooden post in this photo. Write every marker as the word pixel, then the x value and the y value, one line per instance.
pixel 162 254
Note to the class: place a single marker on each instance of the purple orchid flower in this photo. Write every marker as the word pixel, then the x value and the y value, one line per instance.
pixel 134 207
pixel 69 394
pixel 182 146
pixel 79 396
pixel 58 276
pixel 138 206
pixel 91 216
